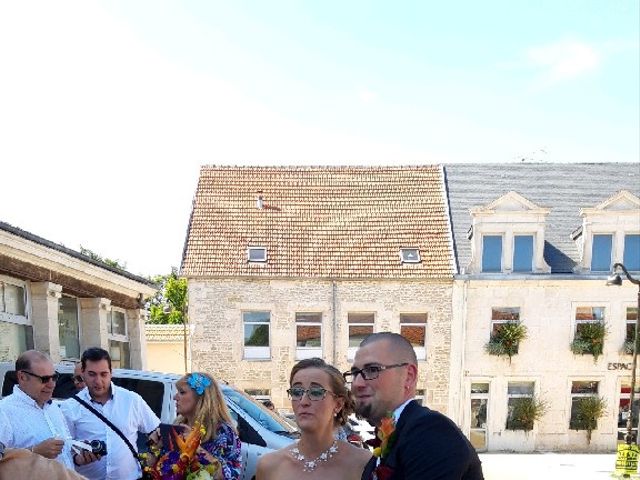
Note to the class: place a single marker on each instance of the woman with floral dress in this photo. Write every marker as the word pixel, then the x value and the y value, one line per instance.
pixel 200 404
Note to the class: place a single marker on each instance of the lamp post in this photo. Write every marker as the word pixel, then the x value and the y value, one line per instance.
pixel 616 279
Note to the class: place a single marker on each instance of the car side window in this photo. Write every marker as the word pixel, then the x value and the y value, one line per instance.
pixel 150 390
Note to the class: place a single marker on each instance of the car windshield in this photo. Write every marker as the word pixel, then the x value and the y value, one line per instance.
pixel 258 412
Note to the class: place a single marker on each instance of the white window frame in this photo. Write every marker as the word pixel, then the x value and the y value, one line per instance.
pixel 481 396
pixel 263 258
pixel 611 252
pixel 624 242
pixel 78 313
pixel 533 252
pixel 518 395
pixel 421 352
pixel 503 322
pixel 627 396
pixel 12 317
pixel 351 351
pixel 119 337
pixel 309 352
pixel 406 250
pixel 502 251
pixel 421 396
pixel 256 353
pixel 580 395
pixel 577 322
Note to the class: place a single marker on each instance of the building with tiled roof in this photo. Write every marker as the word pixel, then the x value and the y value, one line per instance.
pixel 534 245
pixel 59 301
pixel 315 222
pixel 289 262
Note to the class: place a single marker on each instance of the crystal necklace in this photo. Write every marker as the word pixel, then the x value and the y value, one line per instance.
pixel 311 465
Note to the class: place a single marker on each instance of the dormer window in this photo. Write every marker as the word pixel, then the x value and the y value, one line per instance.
pixel 256 254
pixel 507 236
pixel 610 233
pixel 410 255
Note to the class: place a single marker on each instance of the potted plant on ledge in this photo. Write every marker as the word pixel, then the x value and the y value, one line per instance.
pixel 589 410
pixel 589 339
pixel 506 339
pixel 524 412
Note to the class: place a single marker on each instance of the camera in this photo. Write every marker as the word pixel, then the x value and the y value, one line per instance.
pixel 98 447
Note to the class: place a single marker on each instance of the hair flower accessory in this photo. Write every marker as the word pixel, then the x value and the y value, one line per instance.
pixel 198 382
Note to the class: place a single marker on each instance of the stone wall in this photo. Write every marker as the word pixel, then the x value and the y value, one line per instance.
pixel 215 312
pixel 547 309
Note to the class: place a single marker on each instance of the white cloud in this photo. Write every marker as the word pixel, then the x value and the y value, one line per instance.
pixel 563 60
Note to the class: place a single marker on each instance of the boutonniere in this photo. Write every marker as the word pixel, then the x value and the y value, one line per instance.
pixel 384 438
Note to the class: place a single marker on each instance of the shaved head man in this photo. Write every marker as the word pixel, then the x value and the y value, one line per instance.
pixel 425 444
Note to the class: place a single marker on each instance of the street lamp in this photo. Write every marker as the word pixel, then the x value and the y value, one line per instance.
pixel 616 279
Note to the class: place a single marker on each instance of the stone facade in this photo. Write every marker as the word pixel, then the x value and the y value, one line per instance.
pixel 215 312
pixel 548 310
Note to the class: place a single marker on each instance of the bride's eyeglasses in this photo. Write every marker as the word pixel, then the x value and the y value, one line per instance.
pixel 314 393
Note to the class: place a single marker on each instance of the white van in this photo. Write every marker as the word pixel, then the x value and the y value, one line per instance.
pixel 260 430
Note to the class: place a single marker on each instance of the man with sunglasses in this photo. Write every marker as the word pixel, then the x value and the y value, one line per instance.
pixel 28 419
pixel 425 444
pixel 78 380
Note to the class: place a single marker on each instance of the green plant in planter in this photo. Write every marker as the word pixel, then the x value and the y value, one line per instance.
pixel 506 339
pixel 589 410
pixel 526 411
pixel 589 339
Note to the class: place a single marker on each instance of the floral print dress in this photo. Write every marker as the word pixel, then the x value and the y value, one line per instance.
pixel 225 446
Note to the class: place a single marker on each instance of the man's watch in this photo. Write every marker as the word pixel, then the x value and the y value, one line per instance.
pixel 1 450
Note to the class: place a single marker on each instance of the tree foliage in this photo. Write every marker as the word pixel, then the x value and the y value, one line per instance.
pixel 169 305
pixel 107 261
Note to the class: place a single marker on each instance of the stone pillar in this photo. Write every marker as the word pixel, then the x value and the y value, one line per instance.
pixel 94 315
pixel 137 341
pixel 44 311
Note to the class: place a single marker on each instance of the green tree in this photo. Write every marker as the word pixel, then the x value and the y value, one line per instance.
pixel 168 306
pixel 107 261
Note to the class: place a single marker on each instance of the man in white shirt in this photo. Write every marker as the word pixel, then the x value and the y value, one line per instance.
pixel 125 409
pixel 28 419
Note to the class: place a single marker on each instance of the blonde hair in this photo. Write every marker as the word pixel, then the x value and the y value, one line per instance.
pixel 211 408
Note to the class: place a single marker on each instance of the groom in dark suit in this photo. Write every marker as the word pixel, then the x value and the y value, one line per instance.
pixel 424 445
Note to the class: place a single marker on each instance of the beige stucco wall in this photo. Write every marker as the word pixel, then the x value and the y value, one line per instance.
pixel 167 357
pixel 215 312
pixel 547 308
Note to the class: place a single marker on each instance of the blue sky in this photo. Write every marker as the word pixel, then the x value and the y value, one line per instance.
pixel 107 106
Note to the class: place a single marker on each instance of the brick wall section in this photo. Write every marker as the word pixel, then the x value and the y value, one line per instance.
pixel 216 308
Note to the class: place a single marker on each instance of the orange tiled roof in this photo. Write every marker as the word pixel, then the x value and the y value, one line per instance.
pixel 319 222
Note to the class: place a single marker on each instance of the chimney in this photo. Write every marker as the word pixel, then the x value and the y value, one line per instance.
pixel 259 200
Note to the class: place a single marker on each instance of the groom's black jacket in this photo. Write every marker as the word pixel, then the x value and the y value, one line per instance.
pixel 429 446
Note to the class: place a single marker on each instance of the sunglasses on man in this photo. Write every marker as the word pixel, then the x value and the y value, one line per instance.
pixel 43 378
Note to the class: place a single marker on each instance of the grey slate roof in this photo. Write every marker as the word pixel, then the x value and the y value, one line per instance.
pixel 563 188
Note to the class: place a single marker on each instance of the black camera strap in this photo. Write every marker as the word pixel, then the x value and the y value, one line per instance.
pixel 110 425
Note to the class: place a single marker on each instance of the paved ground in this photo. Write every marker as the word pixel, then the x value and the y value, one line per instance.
pixel 547 466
